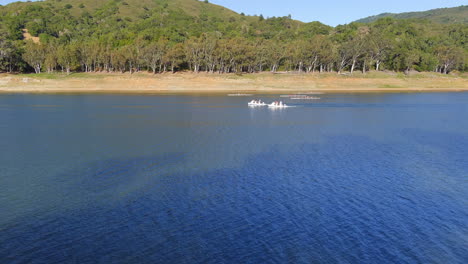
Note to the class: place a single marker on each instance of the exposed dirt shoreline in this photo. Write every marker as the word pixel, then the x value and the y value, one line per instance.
pixel 231 83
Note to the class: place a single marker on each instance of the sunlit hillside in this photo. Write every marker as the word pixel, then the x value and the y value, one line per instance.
pixel 440 15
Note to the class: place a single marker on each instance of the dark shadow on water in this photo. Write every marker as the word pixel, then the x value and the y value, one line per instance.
pixel 348 200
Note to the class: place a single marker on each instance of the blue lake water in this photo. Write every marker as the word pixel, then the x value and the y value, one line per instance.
pixel 369 178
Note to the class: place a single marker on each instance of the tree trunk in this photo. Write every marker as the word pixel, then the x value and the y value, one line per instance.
pixel 273 69
pixel 342 65
pixel 446 68
pixel 352 66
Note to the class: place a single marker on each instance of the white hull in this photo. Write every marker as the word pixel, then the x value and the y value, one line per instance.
pixel 254 103
pixel 239 94
pixel 305 98
pixel 278 106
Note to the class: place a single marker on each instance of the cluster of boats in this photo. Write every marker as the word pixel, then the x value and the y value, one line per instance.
pixel 274 104
pixel 280 104
pixel 300 96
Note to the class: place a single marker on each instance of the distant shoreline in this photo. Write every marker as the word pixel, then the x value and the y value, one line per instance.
pixel 191 83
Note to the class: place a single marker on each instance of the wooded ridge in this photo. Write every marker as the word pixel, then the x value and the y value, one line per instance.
pixel 452 15
pixel 177 35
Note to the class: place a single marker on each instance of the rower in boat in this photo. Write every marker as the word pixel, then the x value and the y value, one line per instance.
pixel 256 103
pixel 277 104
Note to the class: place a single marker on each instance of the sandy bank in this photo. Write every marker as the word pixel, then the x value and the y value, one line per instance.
pixel 213 83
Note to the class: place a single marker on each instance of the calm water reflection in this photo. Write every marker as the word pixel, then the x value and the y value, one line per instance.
pixel 206 179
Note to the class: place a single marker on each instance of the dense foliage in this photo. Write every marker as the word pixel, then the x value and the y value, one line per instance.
pixel 440 15
pixel 163 35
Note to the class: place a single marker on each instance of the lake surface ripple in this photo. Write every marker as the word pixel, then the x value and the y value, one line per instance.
pixel 374 178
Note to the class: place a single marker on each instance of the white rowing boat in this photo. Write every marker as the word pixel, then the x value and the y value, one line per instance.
pixel 277 105
pixel 240 94
pixel 304 97
pixel 256 103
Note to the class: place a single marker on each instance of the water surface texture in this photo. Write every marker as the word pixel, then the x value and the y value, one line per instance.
pixel 374 178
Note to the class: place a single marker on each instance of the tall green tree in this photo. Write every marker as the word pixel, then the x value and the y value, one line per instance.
pixel 35 55
pixel 67 56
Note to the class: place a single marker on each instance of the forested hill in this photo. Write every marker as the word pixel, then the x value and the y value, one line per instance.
pixel 441 15
pixel 179 35
pixel 175 19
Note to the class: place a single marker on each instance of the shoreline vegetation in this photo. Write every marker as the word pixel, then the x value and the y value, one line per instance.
pixel 186 46
pixel 161 36
pixel 187 82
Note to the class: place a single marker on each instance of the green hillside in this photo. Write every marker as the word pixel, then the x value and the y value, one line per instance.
pixel 179 35
pixel 130 8
pixel 455 15
pixel 176 19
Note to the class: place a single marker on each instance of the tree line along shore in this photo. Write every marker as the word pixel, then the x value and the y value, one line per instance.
pixel 31 41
